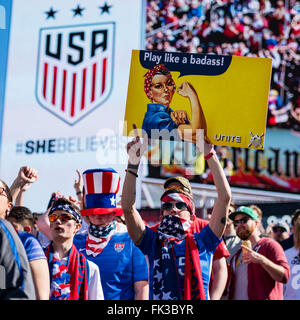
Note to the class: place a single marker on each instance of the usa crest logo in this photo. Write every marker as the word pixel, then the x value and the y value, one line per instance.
pixel 119 247
pixel 75 69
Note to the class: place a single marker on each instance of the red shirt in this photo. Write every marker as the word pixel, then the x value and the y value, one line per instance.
pixel 260 284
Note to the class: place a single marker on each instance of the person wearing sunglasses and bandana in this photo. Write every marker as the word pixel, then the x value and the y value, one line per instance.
pixel 256 273
pixel 179 260
pixel 72 276
pixel 219 273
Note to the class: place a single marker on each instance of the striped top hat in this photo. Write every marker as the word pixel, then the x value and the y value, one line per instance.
pixel 101 187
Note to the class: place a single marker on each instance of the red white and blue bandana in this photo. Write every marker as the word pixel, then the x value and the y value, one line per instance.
pixel 180 198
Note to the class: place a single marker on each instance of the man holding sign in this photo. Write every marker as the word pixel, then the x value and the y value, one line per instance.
pixel 179 260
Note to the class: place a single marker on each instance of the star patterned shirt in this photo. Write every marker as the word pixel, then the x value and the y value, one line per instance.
pixel 150 245
pixel 121 264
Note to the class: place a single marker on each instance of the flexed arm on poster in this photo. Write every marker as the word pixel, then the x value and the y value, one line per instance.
pixel 188 131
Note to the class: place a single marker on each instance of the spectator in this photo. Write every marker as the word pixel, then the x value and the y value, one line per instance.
pixel 289 242
pixel 292 288
pixel 22 220
pixel 17 282
pixel 258 273
pixel 124 273
pixel 15 276
pixel 232 241
pixel 172 278
pixel 259 213
pixel 73 277
pixel 6 200
pixel 219 267
pixel 281 231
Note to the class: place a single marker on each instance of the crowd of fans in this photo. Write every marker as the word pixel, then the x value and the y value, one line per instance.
pixel 253 28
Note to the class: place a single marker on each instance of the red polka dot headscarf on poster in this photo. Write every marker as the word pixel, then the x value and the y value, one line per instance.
pixel 150 74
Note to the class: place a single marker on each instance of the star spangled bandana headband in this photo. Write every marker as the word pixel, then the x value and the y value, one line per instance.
pixel 178 197
pixel 149 76
pixel 68 208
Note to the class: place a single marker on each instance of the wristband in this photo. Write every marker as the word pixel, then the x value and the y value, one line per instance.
pixel 78 192
pixel 132 166
pixel 129 171
pixel 208 156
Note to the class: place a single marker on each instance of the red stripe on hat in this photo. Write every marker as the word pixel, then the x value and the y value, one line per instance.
pixel 118 186
pixel 106 182
pixel 89 177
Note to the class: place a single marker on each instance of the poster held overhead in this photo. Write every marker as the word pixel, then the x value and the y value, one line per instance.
pixel 173 94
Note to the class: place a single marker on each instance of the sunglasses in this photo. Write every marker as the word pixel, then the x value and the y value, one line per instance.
pixel 179 205
pixel 240 221
pixel 278 229
pixel 64 217
pixel 3 192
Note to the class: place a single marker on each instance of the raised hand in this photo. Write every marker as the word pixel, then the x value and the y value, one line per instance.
pixel 27 175
pixel 78 183
pixel 136 147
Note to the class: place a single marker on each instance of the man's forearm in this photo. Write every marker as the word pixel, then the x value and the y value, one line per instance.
pixel 15 188
pixel 134 222
pixel 275 271
pixel 218 219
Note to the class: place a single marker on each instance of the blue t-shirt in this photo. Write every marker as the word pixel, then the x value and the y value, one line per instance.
pixel 207 243
pixel 32 246
pixel 120 263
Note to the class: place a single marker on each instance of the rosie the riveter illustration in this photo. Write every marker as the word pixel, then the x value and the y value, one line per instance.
pixel 160 87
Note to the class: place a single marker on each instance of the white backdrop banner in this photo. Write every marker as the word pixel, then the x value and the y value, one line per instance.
pixel 65 91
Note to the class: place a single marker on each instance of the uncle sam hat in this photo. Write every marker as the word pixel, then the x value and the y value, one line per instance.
pixel 101 187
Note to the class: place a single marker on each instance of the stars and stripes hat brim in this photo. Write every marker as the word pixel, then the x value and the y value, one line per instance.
pixel 101 187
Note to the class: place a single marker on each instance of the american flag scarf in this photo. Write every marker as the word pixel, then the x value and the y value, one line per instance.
pixel 98 238
pixel 174 229
pixel 67 282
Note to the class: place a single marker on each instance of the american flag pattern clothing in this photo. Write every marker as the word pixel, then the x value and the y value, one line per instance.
pixel 101 187
pixel 172 228
pixel 98 238
pixel 60 284
pixel 167 273
pixel 68 281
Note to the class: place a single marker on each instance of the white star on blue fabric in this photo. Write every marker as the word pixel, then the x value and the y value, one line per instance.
pixel 112 201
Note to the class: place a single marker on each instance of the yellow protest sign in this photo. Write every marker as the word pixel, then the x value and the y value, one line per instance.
pixel 227 96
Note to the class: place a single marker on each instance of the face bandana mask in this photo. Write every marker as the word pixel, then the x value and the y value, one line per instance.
pixel 173 228
pixel 98 238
